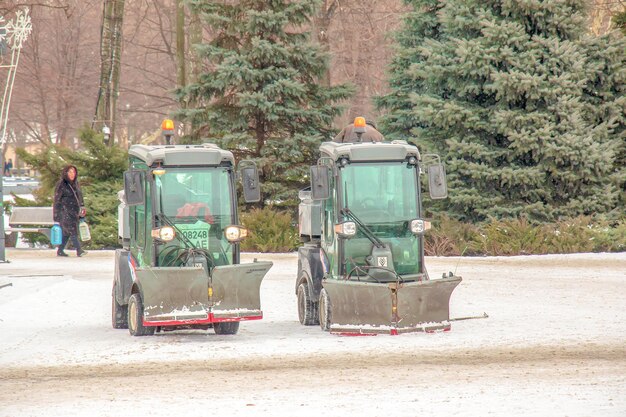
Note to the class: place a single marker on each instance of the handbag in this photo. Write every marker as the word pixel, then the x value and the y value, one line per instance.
pixel 83 231
pixel 83 227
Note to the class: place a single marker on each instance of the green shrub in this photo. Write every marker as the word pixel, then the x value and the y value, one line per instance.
pixel 450 237
pixel 609 236
pixel 520 237
pixel 512 237
pixel 270 231
pixel 570 235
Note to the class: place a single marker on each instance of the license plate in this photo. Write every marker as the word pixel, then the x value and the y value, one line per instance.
pixel 197 233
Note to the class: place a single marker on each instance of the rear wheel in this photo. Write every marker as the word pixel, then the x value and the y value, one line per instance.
pixel 226 327
pixel 135 317
pixel 119 313
pixel 324 311
pixel 307 308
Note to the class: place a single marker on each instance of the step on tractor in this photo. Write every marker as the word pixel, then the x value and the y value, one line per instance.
pixel 179 266
pixel 361 268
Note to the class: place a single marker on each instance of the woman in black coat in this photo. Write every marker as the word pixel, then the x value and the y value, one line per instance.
pixel 68 208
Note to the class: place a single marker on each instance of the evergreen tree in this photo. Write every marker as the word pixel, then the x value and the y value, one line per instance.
pixel 100 174
pixel 260 96
pixel 606 101
pixel 619 20
pixel 501 91
pixel 419 24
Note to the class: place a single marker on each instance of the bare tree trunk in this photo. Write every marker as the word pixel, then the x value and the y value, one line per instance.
pixel 110 61
pixel 601 13
pixel 39 88
pixel 321 25
pixel 195 37
pixel 70 47
pixel 181 76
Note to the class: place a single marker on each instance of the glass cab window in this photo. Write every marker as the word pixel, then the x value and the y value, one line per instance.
pixel 199 203
pixel 384 197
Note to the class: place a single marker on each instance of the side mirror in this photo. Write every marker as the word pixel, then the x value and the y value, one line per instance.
pixel 437 186
pixel 250 182
pixel 320 187
pixel 134 188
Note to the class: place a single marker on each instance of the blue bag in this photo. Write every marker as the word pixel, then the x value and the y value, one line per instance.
pixel 56 235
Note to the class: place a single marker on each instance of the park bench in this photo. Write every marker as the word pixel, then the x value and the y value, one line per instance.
pixel 30 219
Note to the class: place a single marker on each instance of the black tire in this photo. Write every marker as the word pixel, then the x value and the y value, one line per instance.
pixel 226 327
pixel 119 313
pixel 135 317
pixel 324 311
pixel 307 308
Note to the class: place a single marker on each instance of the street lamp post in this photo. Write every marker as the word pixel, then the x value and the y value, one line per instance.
pixel 106 131
pixel 13 34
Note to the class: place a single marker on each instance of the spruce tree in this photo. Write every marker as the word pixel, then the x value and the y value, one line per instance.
pixel 260 95
pixel 500 91
pixel 604 95
pixel 419 24
pixel 100 174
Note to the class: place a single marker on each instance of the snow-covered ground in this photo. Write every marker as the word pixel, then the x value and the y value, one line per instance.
pixel 554 345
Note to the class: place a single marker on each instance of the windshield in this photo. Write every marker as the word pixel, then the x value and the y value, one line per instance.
pixel 380 193
pixel 384 197
pixel 198 201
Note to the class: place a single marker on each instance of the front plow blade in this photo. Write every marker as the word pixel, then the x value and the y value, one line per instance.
pixel 174 294
pixel 235 291
pixel 392 308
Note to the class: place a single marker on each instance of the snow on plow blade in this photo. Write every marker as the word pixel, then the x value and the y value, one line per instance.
pixel 235 290
pixel 392 308
pixel 174 294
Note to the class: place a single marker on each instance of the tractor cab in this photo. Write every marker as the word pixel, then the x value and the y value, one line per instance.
pixel 362 264
pixel 179 266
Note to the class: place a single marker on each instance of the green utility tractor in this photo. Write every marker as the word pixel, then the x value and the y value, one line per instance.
pixel 179 266
pixel 361 269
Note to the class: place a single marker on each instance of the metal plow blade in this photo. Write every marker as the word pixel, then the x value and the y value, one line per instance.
pixel 174 294
pixel 235 290
pixel 391 308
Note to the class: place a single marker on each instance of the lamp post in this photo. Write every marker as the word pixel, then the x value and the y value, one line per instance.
pixel 13 34
pixel 129 141
pixel 107 133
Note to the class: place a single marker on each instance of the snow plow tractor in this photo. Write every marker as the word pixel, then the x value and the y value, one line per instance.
pixel 361 269
pixel 179 265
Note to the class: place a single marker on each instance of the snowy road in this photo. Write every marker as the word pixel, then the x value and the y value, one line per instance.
pixel 554 344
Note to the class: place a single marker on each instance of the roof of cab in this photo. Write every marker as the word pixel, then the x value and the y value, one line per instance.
pixel 206 154
pixel 397 150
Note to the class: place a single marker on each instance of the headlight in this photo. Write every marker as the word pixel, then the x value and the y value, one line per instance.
pixel 346 229
pixel 165 233
pixel 419 226
pixel 235 233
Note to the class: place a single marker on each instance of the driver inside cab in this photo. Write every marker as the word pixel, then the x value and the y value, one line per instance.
pixel 361 130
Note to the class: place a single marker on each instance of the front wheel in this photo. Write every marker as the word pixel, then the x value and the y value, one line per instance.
pixel 307 308
pixel 324 311
pixel 135 317
pixel 226 327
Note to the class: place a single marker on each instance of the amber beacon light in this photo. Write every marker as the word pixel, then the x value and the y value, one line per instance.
pixel 359 126
pixel 167 127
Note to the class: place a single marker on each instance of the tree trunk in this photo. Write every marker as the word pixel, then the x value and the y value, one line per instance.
pixel 110 66
pixel 321 24
pixel 195 38
pixel 181 76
